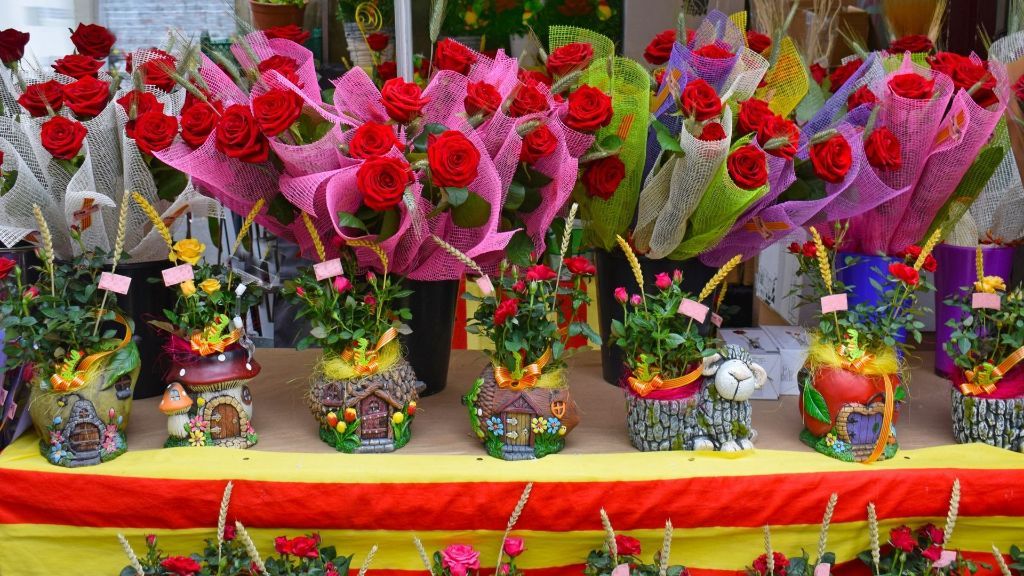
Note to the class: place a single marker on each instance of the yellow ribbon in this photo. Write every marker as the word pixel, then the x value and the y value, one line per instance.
pixel 980 381
pixel 77 381
pixel 645 387
pixel 765 229
pixel 204 347
pixel 531 374
pixel 369 364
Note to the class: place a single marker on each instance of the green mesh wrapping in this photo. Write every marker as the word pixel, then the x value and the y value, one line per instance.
pixel 717 212
pixel 559 36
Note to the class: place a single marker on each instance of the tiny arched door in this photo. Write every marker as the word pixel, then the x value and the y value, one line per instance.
pixel 225 422
pixel 373 411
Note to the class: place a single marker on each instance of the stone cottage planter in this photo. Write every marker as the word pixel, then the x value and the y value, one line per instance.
pixel 995 418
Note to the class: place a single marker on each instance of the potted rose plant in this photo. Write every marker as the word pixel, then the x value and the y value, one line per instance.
pixel 851 385
pixel 274 13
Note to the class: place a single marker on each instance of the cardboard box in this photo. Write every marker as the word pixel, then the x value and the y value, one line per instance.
pixel 776 278
pixel 763 350
pixel 792 343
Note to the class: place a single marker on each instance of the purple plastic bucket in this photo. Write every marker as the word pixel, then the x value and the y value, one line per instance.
pixel 956 272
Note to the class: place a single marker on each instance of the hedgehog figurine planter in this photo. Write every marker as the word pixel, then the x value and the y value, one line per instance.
pixel 711 414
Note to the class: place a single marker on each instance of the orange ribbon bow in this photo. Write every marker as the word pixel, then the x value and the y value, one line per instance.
pixel 368 362
pixel 645 387
pixel 981 381
pixel 203 347
pixel 77 379
pixel 531 374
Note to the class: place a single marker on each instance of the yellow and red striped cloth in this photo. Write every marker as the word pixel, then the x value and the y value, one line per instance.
pixel 64 521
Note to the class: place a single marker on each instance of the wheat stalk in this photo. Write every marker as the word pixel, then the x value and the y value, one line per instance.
pixel 523 498
pixel 927 248
pixel 154 217
pixel 437 11
pixel 634 264
pixel 718 277
pixel 954 510
pixel 122 222
pixel 609 537
pixel 1003 568
pixel 367 561
pixel 979 263
pixel 423 555
pixel 823 265
pixel 250 547
pixel 769 556
pixel 318 244
pixel 570 219
pixel 132 558
pixel 458 254
pixel 222 516
pixel 666 549
pixel 246 225
pixel 876 552
pixel 381 255
pixel 830 508
pixel 47 245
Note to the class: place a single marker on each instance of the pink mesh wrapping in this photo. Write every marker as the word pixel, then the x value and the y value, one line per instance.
pixel 357 100
pixel 264 48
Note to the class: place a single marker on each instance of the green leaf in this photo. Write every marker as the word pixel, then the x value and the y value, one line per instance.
pixel 611 142
pixel 169 182
pixel 516 194
pixel 472 213
pixel 456 196
pixel 667 141
pixel 346 220
pixel 814 403
pixel 389 223
pixel 281 210
pixel 900 394
pixel 435 129
pixel 214 225
pixel 520 249
pixel 531 200
pixel 674 341
pixel 531 177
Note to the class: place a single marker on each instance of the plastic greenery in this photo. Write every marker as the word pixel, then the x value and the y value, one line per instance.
pixel 983 337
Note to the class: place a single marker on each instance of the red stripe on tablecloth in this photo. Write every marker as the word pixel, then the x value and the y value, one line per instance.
pixel 750 501
pixel 459 337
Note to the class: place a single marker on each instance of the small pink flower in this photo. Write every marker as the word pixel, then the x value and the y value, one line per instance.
pixel 370 301
pixel 371 277
pixel 150 540
pixel 514 547
pixel 677 275
pixel 300 292
pixel 31 293
pixel 519 286
pixel 635 300
pixel 662 281
pixel 503 570
pixel 620 295
pixel 342 284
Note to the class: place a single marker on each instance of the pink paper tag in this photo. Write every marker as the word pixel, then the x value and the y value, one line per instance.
pixel 11 410
pixel 716 320
pixel 945 559
pixel 695 310
pixel 823 569
pixel 621 570
pixel 485 285
pixel 833 303
pixel 178 274
pixel 329 269
pixel 115 282
pixel 986 300
pixel 3 395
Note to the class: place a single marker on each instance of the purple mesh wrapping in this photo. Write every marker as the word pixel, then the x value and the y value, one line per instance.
pixel 715 29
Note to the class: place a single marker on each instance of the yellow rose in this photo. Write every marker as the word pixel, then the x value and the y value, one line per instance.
pixel 990 284
pixel 398 418
pixel 188 250
pixel 210 285
pixel 188 288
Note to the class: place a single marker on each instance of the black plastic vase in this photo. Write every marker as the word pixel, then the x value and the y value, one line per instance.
pixel 429 347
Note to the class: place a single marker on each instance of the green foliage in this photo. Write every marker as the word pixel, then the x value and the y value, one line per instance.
pixel 209 307
pixel 600 563
pixel 982 335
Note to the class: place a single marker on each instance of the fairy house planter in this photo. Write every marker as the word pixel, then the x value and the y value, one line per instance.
pixel 366 414
pixel 218 409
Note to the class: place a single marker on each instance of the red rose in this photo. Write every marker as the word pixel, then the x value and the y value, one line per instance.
pixel 902 538
pixel 712 132
pixel 505 310
pixel 713 51
pixel 753 113
pixel 373 139
pixel 62 138
pixel 932 553
pixel 840 75
pixel 758 42
pixel 453 159
pixel 239 136
pixel 832 159
pixel 882 149
pixel 481 98
pixel 533 77
pixel 197 121
pixel 747 167
pixel 382 181
pixel 403 100
pixel 966 74
pixel 387 70
pixel 276 110
pixel 907 275
pixel 304 547
pixel 579 266
pixel 285 66
pixel 77 66
pixel 181 566
pixel 818 72
pixel 861 96
pixel 154 132
pixel 378 41
pixel 913 43
pixel 576 7
pixel 778 127
pixel 627 545
pixel 794 248
pixel 779 561
pixel 6 266
pixel 912 86
pixel 700 101
pixel 540 273
pixel 12 45
pixel 1018 88
pixel 528 99
pixel 602 177
pixel 142 101
pixel 93 40
pixel 450 55
pixel 37 97
pixel 660 48
pixel 590 109
pixel 933 533
pixel 289 32
pixel 540 142
pixel 87 97
pixel 570 58
pixel 156 72
pixel 809 250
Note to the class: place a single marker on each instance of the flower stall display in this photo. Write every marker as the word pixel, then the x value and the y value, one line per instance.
pixel 521 407
pixel 854 378
pixel 682 391
pixel 207 400
pixel 76 344
pixel 774 562
pixel 986 345
pixel 363 392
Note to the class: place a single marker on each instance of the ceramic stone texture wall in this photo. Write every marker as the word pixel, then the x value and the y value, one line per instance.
pixel 144 23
